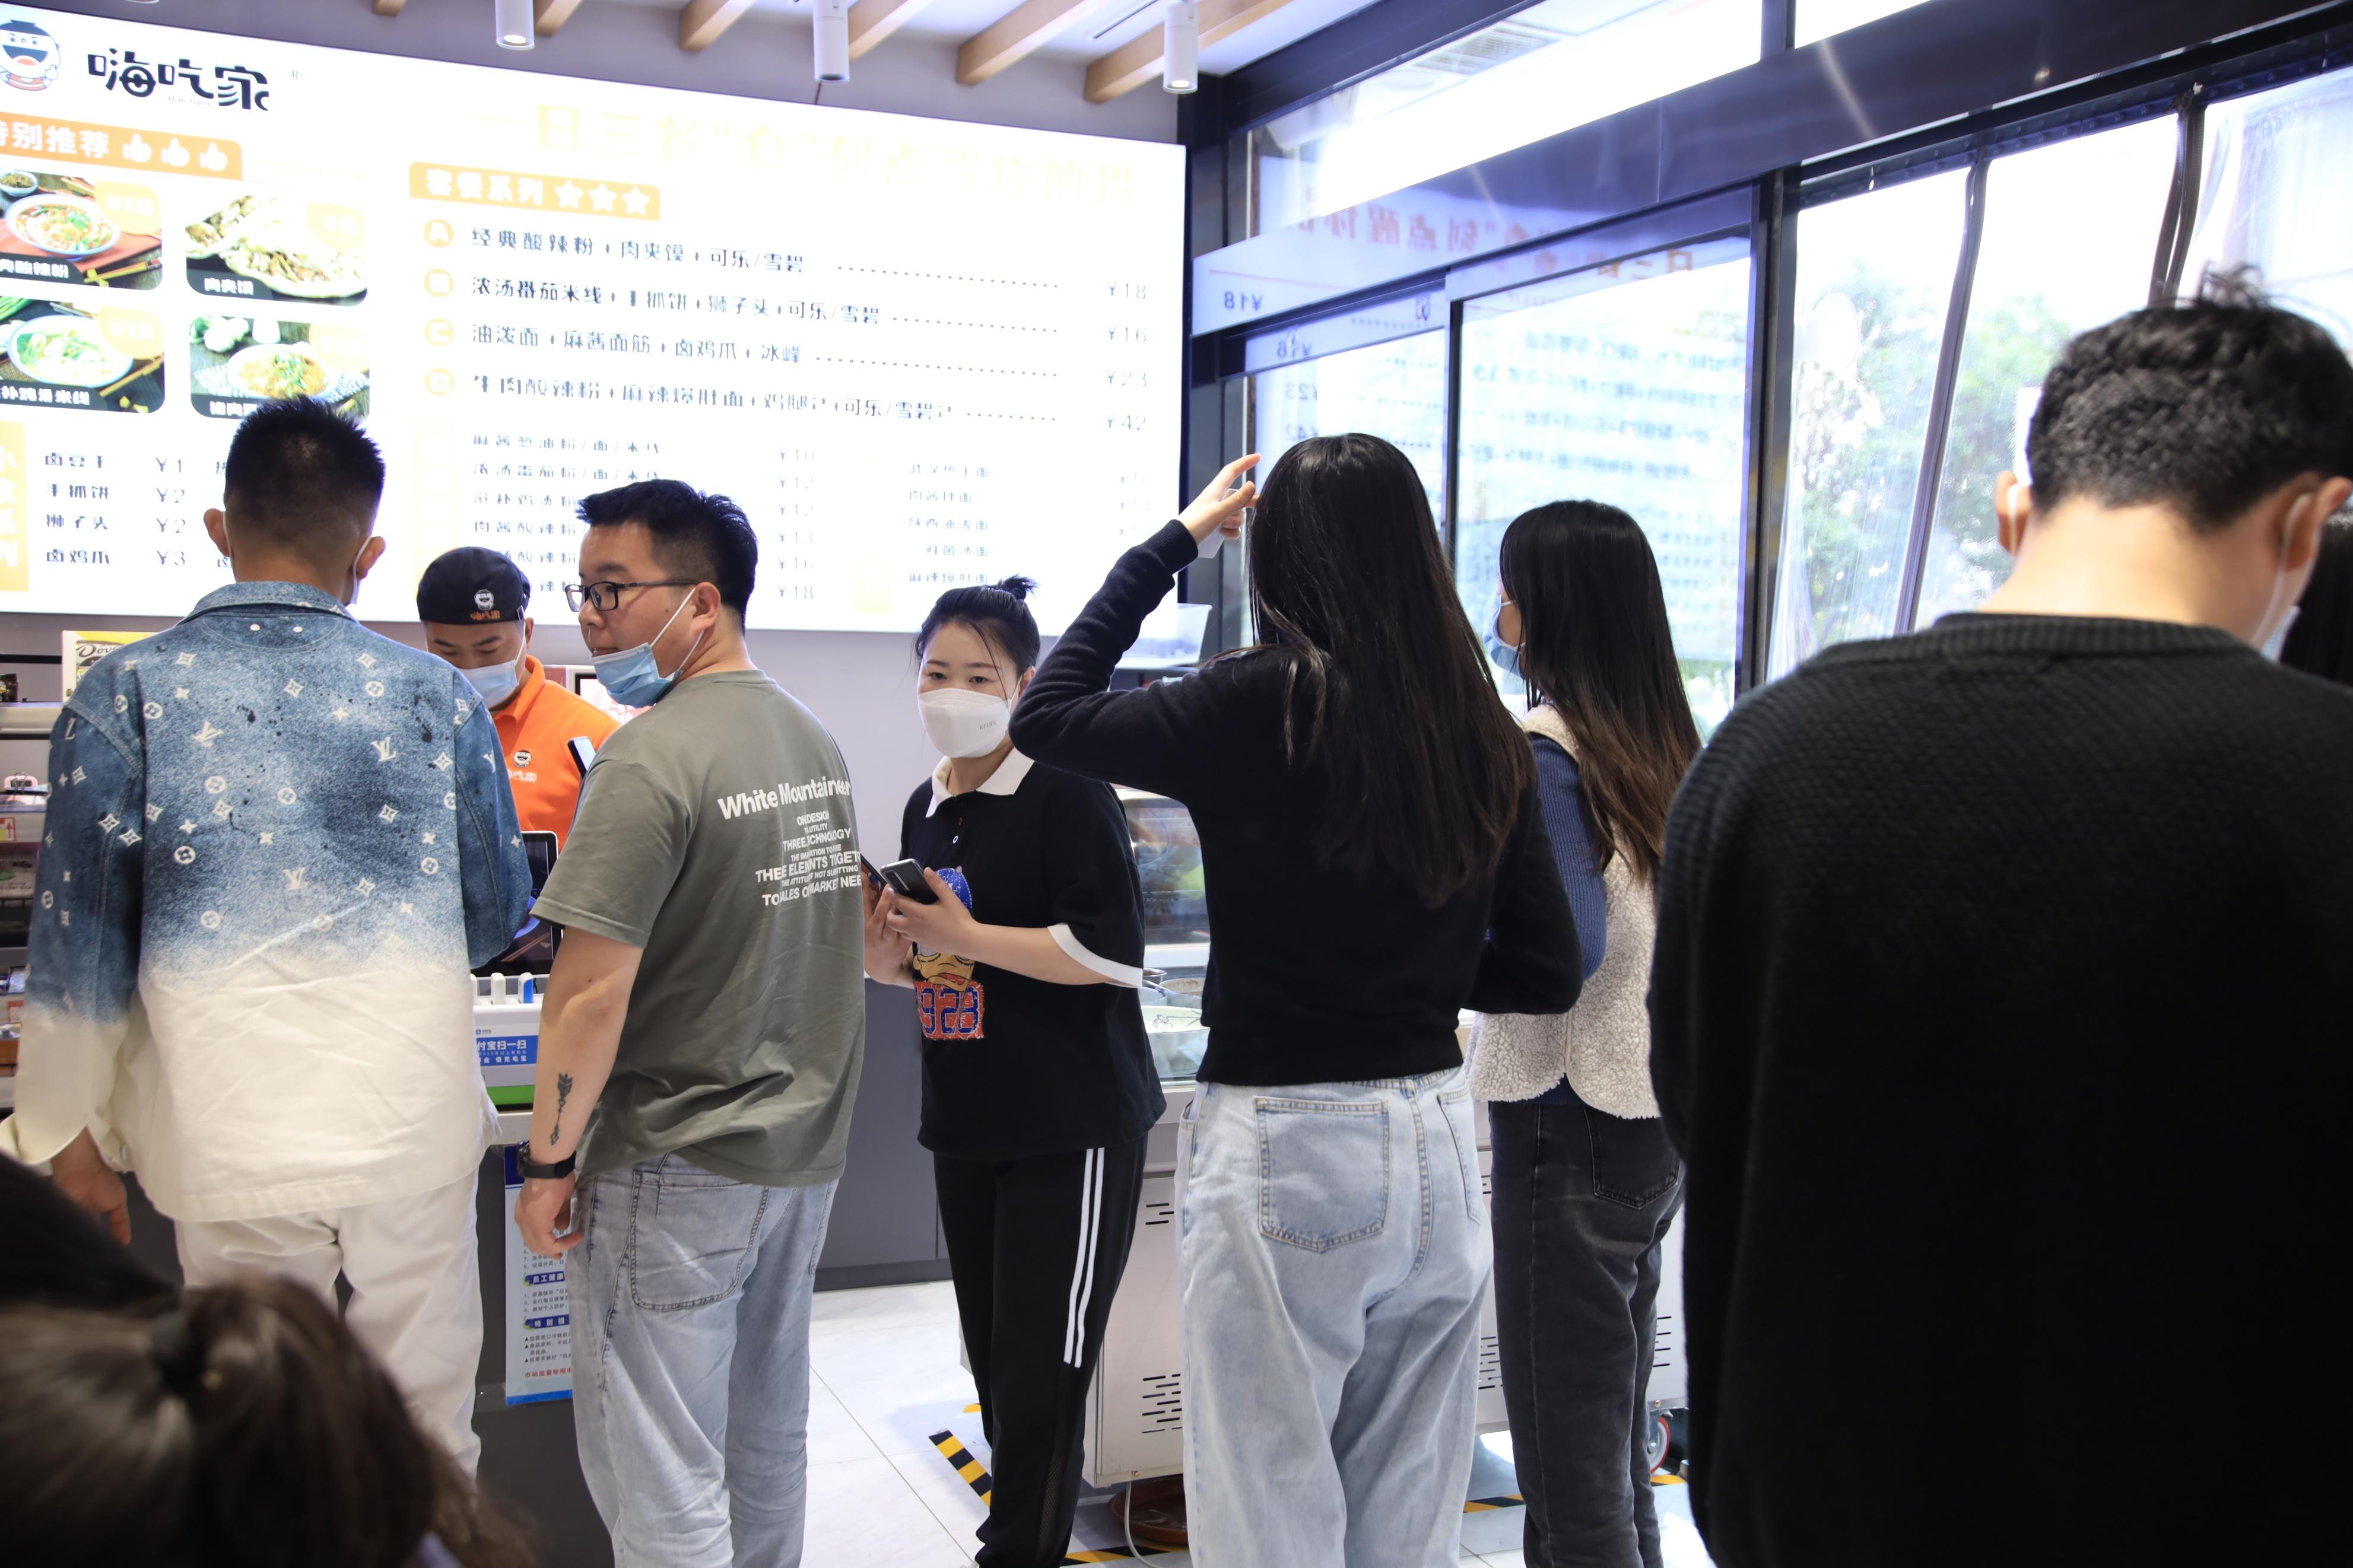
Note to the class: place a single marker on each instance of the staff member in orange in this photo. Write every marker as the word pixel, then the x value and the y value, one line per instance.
pixel 472 602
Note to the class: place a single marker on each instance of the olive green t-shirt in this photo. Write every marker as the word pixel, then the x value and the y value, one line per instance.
pixel 715 833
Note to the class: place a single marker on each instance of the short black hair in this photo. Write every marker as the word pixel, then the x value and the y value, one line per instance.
pixel 706 537
pixel 2207 406
pixel 1000 614
pixel 304 477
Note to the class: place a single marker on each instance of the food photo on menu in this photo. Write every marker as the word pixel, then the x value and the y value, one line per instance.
pixel 236 363
pixel 62 228
pixel 266 247
pixel 56 355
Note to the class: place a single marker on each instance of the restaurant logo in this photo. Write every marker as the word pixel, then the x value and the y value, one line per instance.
pixel 224 87
pixel 28 55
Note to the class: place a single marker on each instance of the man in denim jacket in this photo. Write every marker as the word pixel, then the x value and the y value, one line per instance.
pixel 276 844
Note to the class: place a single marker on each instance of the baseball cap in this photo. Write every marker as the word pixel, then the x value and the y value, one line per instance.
pixel 472 585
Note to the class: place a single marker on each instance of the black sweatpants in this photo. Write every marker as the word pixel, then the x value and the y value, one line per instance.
pixel 1037 1247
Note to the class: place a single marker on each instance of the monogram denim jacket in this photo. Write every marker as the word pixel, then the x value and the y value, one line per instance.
pixel 276 845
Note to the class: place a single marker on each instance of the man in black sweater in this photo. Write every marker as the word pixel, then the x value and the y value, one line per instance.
pixel 2001 972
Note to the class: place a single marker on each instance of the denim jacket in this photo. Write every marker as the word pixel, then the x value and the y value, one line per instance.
pixel 276 845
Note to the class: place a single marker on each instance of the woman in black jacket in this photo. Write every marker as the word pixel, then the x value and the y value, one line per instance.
pixel 1376 862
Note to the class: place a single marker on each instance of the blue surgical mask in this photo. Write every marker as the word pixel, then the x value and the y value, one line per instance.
pixel 494 683
pixel 1505 657
pixel 632 676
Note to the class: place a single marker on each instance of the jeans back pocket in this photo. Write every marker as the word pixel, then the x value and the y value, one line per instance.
pixel 1324 1171
pixel 691 1236
pixel 1632 1161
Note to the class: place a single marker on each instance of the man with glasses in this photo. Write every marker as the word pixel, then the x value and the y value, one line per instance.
pixel 699 1046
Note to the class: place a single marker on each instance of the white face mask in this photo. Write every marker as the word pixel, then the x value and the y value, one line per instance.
pixel 965 723
pixel 2270 643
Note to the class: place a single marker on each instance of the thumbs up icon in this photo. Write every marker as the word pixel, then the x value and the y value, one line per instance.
pixel 137 150
pixel 175 154
pixel 213 158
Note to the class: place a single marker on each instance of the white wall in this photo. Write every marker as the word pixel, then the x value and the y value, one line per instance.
pixel 762 55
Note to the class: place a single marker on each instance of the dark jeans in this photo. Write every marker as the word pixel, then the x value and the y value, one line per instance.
pixel 1581 1203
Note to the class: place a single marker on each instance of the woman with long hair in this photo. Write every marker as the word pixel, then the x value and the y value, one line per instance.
pixel 1375 862
pixel 238 1425
pixel 1039 1087
pixel 1585 1180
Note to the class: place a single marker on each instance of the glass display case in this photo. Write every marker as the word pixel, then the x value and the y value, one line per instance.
pixel 1176 930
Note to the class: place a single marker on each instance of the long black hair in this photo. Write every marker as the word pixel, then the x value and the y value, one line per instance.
pixel 1000 614
pixel 1391 697
pixel 1595 645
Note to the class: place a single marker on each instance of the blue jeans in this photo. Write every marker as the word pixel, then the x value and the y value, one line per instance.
pixel 1333 1258
pixel 690 1305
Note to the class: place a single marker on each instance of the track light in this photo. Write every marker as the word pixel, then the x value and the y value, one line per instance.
pixel 1180 46
pixel 832 37
pixel 514 23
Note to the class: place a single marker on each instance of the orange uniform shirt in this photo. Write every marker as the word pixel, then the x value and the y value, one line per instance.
pixel 536 727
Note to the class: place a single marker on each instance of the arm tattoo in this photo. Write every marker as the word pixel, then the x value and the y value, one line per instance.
pixel 563 1096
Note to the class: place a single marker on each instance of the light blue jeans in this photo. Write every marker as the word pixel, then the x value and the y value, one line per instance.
pixel 1334 1255
pixel 690 1362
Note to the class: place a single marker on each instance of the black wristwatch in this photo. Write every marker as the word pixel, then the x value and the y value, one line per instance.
pixel 539 1173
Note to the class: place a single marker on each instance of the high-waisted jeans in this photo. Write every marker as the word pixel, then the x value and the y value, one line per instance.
pixel 1334 1255
pixel 1582 1201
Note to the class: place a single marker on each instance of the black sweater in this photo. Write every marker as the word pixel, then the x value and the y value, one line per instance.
pixel 1315 976
pixel 2003 972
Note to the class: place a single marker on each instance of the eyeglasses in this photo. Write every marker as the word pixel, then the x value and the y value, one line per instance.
pixel 607 597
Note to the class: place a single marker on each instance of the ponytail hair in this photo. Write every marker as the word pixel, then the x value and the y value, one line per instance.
pixel 244 1425
pixel 1000 614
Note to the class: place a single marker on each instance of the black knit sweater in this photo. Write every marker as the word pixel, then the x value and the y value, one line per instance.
pixel 2003 973
pixel 1315 976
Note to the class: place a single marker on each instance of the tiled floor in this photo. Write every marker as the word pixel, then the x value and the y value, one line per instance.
pixel 888 1376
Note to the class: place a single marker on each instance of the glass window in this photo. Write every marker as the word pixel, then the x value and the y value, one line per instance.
pixel 1395 390
pixel 2277 168
pixel 2070 242
pixel 1874 284
pixel 1622 384
pixel 1820 19
pixel 1559 63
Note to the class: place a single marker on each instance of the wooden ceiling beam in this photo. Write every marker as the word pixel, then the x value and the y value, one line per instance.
pixel 872 21
pixel 548 16
pixel 1018 35
pixel 702 23
pixel 1138 60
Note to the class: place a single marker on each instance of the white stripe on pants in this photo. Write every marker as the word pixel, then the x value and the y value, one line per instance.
pixel 1082 1274
pixel 416 1296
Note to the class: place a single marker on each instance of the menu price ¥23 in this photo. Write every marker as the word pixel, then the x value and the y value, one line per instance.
pixel 918 354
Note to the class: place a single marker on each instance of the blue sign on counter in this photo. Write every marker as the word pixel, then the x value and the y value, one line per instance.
pixel 508 1050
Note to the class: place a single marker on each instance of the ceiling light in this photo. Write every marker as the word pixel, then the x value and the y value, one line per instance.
pixel 514 21
pixel 1180 46
pixel 832 39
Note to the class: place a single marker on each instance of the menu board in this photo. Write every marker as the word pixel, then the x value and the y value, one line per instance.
pixel 919 354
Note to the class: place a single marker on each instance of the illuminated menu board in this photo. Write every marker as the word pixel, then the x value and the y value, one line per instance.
pixel 918 353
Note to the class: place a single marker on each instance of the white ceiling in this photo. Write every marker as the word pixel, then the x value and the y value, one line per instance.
pixel 1099 31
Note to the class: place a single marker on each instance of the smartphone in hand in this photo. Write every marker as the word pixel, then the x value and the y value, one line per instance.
pixel 906 879
pixel 873 877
